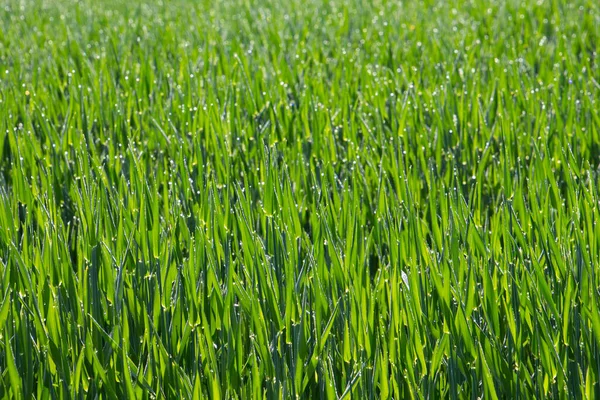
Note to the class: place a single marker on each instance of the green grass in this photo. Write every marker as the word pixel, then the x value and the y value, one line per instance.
pixel 313 199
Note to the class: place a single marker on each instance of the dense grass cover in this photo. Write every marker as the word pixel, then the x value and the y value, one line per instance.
pixel 314 199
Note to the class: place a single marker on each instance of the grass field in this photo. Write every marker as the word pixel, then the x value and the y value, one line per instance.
pixel 288 198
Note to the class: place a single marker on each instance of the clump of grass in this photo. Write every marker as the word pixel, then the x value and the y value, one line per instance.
pixel 275 199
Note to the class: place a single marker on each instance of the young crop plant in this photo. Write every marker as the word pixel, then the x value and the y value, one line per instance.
pixel 303 199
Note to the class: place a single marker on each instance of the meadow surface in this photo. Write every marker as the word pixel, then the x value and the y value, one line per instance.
pixel 299 199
